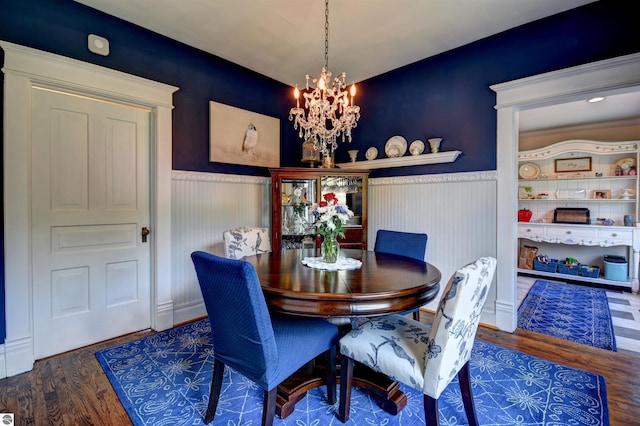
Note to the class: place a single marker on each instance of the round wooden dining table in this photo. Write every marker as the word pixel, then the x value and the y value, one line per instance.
pixel 382 285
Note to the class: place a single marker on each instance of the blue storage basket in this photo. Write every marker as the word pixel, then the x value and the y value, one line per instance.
pixel 552 266
pixel 589 271
pixel 569 270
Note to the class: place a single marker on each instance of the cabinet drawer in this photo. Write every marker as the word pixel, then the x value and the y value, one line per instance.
pixel 572 233
pixel 616 235
pixel 528 231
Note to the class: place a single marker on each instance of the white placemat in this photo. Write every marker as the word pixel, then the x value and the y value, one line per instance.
pixel 343 263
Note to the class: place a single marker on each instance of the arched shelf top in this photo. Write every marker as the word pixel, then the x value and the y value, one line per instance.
pixel 576 146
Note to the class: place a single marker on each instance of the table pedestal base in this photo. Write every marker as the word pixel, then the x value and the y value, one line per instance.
pixel 385 391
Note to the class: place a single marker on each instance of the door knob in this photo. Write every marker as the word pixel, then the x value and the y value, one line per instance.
pixel 145 231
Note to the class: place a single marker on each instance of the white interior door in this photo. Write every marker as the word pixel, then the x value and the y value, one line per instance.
pixel 90 200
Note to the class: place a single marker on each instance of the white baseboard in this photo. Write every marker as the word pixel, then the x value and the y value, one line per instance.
pixel 18 356
pixel 189 312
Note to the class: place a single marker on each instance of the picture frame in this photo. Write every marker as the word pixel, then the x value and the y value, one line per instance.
pixel 239 136
pixel 602 194
pixel 567 165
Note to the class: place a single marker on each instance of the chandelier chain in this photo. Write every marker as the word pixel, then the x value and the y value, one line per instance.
pixel 326 34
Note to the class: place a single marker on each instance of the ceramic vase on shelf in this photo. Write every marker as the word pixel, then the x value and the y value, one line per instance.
pixel 435 144
pixel 330 249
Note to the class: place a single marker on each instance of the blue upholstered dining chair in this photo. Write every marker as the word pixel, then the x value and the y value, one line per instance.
pixel 406 244
pixel 265 349
pixel 424 357
pixel 246 241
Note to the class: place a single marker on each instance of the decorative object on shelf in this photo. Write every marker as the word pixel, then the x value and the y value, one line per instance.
pixel 327 160
pixel 371 153
pixel 330 217
pixel 626 194
pixel 435 144
pixel 396 146
pixel 601 194
pixel 626 165
pixel 578 215
pixel 309 153
pixel 529 171
pixel 416 147
pixel 564 165
pixel 353 155
pixel 572 194
pixel 525 193
pixel 605 221
pixel 628 220
pixel 524 215
pixel 328 102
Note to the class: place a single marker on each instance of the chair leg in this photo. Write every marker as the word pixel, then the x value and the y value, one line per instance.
pixel 431 415
pixel 216 388
pixel 330 374
pixel 269 406
pixel 346 377
pixel 464 378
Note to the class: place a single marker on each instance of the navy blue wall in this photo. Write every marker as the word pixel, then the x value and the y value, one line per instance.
pixel 447 95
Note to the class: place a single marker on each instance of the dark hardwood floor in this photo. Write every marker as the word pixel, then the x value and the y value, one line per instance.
pixel 71 388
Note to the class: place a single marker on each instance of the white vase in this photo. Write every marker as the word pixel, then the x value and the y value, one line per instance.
pixel 435 144
pixel 353 155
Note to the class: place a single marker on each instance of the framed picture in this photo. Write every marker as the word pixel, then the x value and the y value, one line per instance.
pixel 238 136
pixel 601 194
pixel 564 165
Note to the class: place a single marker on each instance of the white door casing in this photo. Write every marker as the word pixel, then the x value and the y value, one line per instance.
pixel 89 201
pixel 603 78
pixel 24 68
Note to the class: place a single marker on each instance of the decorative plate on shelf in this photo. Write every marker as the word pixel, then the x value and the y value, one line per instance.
pixel 529 171
pixel 396 146
pixel 416 147
pixel 371 153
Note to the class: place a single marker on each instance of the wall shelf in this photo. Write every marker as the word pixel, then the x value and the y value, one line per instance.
pixel 407 160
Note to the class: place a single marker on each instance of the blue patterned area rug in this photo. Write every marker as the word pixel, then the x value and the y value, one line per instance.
pixel 164 379
pixel 571 312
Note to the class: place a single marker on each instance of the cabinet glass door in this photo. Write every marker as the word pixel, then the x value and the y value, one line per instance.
pixel 298 195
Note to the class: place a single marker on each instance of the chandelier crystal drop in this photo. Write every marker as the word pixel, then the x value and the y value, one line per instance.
pixel 329 113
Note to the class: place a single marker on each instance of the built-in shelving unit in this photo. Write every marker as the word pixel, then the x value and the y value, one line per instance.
pixel 595 185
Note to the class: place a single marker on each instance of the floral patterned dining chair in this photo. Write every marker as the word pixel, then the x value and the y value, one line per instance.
pixel 246 241
pixel 425 357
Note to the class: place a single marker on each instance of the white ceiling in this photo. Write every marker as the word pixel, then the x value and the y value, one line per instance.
pixel 284 39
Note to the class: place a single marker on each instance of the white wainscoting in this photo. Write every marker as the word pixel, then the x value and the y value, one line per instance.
pixel 204 205
pixel 457 211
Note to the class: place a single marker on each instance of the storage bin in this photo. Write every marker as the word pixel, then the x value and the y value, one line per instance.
pixel 589 271
pixel 615 268
pixel 569 270
pixel 552 266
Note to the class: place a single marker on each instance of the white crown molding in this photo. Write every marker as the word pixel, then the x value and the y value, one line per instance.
pixel 218 177
pixel 438 178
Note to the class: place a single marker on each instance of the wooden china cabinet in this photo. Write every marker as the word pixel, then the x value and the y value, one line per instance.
pixel 295 190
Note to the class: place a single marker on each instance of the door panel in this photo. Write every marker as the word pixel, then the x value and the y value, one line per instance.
pixel 91 276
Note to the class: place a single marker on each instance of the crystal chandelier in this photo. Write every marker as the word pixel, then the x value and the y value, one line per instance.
pixel 329 113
